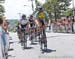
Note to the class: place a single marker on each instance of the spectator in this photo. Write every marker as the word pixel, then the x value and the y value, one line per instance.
pixel 2 40
pixel 6 34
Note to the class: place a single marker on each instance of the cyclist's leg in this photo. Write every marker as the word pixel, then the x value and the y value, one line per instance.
pixel 31 39
pixel 20 35
pixel 44 36
pixel 31 35
pixel 22 38
pixel 45 39
pixel 45 43
pixel 25 40
pixel 25 35
pixel 41 45
pixel 41 41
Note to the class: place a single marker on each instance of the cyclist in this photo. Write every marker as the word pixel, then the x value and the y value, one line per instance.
pixel 24 24
pixel 42 20
pixel 32 28
pixel 31 21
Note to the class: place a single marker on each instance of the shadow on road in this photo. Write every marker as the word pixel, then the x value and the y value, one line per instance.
pixel 28 48
pixel 11 56
pixel 11 49
pixel 49 51
pixel 34 43
pixel 56 36
pixel 11 42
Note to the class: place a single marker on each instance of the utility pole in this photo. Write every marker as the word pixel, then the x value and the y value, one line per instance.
pixel 36 4
pixel 73 9
pixel 73 6
pixel 73 16
pixel 32 5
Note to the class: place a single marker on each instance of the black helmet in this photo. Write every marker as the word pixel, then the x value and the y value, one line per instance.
pixel 40 8
pixel 23 16
pixel 31 15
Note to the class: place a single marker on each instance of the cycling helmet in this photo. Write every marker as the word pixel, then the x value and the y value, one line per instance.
pixel 40 8
pixel 23 16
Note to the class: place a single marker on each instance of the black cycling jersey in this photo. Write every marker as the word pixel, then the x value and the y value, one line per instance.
pixel 31 23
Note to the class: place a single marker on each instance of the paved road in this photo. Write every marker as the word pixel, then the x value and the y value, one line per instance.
pixel 60 46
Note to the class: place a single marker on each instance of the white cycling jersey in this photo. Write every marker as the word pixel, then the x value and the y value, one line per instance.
pixel 23 22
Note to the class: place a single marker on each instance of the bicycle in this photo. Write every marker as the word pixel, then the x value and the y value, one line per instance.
pixel 43 39
pixel 24 41
pixel 32 35
pixel 42 35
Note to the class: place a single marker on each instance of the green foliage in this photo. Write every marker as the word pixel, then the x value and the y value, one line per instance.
pixel 2 1
pixel 56 7
pixel 2 10
pixel 68 13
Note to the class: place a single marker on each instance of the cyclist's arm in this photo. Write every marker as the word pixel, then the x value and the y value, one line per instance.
pixel 47 16
pixel 35 15
pixel 19 22
pixel 36 18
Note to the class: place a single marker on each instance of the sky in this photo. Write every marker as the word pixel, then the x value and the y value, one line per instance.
pixel 15 8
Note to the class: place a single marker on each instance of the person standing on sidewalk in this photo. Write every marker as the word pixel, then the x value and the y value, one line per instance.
pixel 5 27
pixel 2 40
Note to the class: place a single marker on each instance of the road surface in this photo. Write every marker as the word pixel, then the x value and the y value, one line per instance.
pixel 60 46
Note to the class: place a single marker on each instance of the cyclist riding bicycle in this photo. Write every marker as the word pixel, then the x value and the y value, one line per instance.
pixel 42 19
pixel 32 28
pixel 24 23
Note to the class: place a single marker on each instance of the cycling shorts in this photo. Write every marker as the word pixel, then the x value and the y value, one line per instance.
pixel 42 22
pixel 23 27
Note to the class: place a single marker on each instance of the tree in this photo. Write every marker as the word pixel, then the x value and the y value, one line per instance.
pixel 68 12
pixel 2 1
pixel 56 7
pixel 2 10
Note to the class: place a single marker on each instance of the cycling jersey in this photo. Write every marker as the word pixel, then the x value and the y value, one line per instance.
pixel 23 23
pixel 31 23
pixel 41 15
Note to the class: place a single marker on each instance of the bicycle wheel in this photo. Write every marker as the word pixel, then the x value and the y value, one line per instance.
pixel 25 40
pixel 43 40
